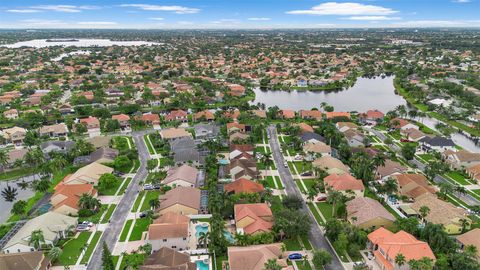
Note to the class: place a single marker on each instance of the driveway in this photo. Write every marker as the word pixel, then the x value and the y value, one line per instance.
pixel 316 236
pixel 113 231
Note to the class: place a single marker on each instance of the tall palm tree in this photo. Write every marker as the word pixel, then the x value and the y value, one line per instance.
pixel 36 239
pixel 87 201
pixel 154 203
pixel 203 239
pixel 3 159
pixel 9 193
pixel 464 223
pixel 335 198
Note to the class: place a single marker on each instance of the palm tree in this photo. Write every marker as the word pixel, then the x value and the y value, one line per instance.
pixel 400 260
pixel 272 264
pixel 54 253
pixel 203 239
pixel 335 198
pixel 461 190
pixel 424 211
pixel 36 239
pixel 464 223
pixel 3 159
pixel 9 193
pixel 87 201
pixel 154 203
pixel 42 185
pixel 311 194
pixel 445 189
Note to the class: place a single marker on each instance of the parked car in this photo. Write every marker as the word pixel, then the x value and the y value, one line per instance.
pixel 285 164
pixel 298 157
pixel 87 223
pixel 147 187
pixel 82 228
pixel 322 198
pixel 405 140
pixel 306 174
pixel 157 186
pixel 142 215
pixel 295 256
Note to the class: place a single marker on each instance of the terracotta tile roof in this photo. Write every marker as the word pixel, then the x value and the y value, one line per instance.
pixel 259 212
pixel 243 185
pixel 185 173
pixel 328 163
pixel 315 114
pixel 331 115
pixel 173 115
pixel 304 127
pixel 471 238
pixel 168 259
pixel 319 147
pixel 121 117
pixel 366 209
pixel 441 212
pixel 413 185
pixel 206 114
pixel 288 114
pixel 400 242
pixel 169 225
pixel 69 195
pixel 172 133
pixel 373 114
pixel 343 182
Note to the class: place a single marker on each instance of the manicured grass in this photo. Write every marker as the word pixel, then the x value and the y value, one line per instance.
pixel 125 184
pixel 261 149
pixel 126 228
pixel 301 265
pixel 95 218
pixel 141 225
pixel 72 249
pixel 309 183
pixel 300 166
pixel 111 191
pixel 326 209
pixel 306 243
pixel 136 204
pixel 292 244
pixel 427 157
pixel 315 214
pixel 109 213
pixel 152 194
pixel 91 247
pixel 149 145
pixel 16 173
pixel 458 177
pixel 271 184
pixel 219 260
pixel 476 191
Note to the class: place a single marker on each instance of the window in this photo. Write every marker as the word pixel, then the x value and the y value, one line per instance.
pixel 184 238
pixel 164 240
pixel 174 246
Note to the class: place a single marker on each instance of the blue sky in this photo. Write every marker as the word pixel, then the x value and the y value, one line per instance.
pixel 159 14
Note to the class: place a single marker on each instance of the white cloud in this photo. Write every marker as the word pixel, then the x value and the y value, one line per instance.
pixel 258 19
pixel 23 10
pixel 175 9
pixel 334 8
pixel 372 18
pixel 59 8
pixel 42 23
pixel 225 21
pixel 97 23
pixel 156 19
pixel 461 1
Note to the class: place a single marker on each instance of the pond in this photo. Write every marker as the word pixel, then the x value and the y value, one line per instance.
pixel 367 93
pixel 41 43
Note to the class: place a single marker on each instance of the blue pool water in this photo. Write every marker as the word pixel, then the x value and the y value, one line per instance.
pixel 224 161
pixel 228 235
pixel 201 265
pixel 200 228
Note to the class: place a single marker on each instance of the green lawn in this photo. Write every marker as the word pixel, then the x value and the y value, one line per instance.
pixel 301 265
pixel 300 166
pixel 91 247
pixel 95 218
pixel 458 177
pixel 149 145
pixel 126 228
pixel 427 157
pixel 151 194
pixel 309 183
pixel 111 191
pixel 476 191
pixel 16 173
pixel 72 248
pixel 326 209
pixel 109 213
pixel 140 226
pixel 315 214
pixel 124 186
pixel 292 244
pixel 136 204
pixel 306 243
pixel 261 149
pixel 270 182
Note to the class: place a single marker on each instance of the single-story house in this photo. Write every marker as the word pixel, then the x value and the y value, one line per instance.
pixel 181 176
pixel 174 133
pixel 367 213
pixel 390 168
pixel 470 238
pixel 89 174
pixel 180 200
pixel 330 165
pixel 255 257
pixel 461 159
pixel 57 130
pixel 344 183
pixel 66 197
pixel 36 260
pixel 413 185
pixel 243 185
pixel 102 155
pixel 168 259
pixel 437 143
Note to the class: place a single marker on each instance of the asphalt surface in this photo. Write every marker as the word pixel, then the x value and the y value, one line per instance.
pixel 119 216
pixel 316 237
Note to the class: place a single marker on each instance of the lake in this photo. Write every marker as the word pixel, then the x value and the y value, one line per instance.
pixel 42 43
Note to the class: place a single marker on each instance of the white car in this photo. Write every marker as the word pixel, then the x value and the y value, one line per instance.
pixel 285 164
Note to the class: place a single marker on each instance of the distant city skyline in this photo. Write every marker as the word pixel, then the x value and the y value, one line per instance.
pixel 239 14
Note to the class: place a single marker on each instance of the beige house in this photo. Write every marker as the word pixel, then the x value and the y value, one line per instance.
pixel 330 165
pixel 367 213
pixel 470 238
pixel 255 257
pixel 11 114
pixel 461 159
pixel 413 185
pixel 180 200
pixel 316 149
pixel 184 175
pixel 54 226
pixel 170 230
pixel 36 260
pixel 14 135
pixel 58 130
pixel 88 174
pixel 441 212
pixel 168 259
pixel 174 133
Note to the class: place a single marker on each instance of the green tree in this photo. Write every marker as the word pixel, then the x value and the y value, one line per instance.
pixel 154 203
pixel 89 202
pixel 36 239
pixel 19 208
pixel 408 151
pixel 320 258
pixel 107 181
pixel 107 259
pixel 400 260
pixel 55 253
pixel 272 264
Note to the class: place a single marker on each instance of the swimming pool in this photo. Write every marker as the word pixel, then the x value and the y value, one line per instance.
pixel 200 228
pixel 228 235
pixel 201 265
pixel 223 162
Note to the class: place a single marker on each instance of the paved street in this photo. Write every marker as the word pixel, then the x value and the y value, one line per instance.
pixel 113 231
pixel 316 236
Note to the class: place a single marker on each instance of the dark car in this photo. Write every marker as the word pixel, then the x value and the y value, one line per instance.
pixel 142 215
pixel 295 256
pixel 306 174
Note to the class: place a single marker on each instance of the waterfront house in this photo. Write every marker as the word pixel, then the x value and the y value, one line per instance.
pixel 461 159
pixel 437 143
pixel 371 117
pixel 311 115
